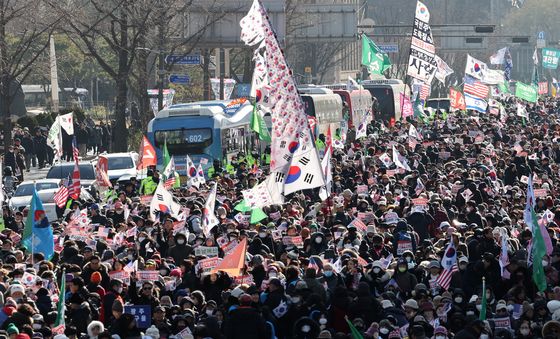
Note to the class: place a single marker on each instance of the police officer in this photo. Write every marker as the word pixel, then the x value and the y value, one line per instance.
pixel 149 184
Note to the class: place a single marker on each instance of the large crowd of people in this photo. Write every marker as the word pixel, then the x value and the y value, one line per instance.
pixel 127 275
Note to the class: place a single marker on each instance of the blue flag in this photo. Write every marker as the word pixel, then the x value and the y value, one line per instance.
pixel 38 234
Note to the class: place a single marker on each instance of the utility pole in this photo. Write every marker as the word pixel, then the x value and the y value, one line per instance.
pixel 161 66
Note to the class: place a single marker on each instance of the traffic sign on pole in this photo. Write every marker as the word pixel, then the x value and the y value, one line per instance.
pixel 189 59
pixel 180 79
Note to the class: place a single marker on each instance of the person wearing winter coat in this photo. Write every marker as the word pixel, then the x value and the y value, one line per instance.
pixel 94 328
pixel 365 306
pixel 181 250
pixel 245 322
pixel 405 280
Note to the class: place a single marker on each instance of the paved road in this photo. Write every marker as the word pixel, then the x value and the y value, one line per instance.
pixel 36 174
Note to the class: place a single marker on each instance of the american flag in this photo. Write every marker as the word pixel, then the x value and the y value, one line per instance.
pixel 475 88
pixel 449 264
pixel 313 264
pixel 422 89
pixel 169 182
pixel 75 150
pixel 425 91
pixel 74 185
pixel 61 196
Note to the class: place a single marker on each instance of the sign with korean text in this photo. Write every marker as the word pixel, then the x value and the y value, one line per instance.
pixel 206 265
pixel 147 275
pixel 124 276
pixel 206 251
pixel 142 313
pixel 550 58
pixel 295 240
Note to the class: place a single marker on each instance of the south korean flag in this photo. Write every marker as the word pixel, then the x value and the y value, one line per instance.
pixel 304 173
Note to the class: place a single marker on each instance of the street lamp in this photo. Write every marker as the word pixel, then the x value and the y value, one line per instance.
pixel 161 73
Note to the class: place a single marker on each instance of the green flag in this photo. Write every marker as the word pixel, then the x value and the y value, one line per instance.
pixel 539 250
pixel 257 215
pixel 483 304
pixel 353 330
pixel 61 308
pixel 526 92
pixel 418 109
pixel 374 58
pixel 259 126
pixel 503 87
pixel 166 156
pixel 535 77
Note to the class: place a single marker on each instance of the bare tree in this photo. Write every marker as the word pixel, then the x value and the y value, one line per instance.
pixel 25 29
pixel 109 31
pixel 167 34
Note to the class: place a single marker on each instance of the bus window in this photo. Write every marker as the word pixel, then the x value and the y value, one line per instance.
pixel 385 101
pixel 184 141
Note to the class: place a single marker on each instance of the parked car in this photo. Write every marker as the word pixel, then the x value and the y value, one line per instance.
pixel 64 171
pixel 22 195
pixel 120 165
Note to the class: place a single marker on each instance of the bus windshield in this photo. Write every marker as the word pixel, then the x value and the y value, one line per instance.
pixel 184 141
pixel 385 102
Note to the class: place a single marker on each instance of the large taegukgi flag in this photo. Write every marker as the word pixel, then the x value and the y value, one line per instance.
pixel 294 158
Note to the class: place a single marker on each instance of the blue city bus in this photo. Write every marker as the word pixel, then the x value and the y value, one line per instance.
pixel 209 130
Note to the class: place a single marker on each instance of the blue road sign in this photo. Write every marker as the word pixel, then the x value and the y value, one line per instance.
pixel 540 35
pixel 189 59
pixel 180 79
pixel 142 313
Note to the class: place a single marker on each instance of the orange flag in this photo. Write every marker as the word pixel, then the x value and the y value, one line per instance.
pixel 233 263
pixel 147 154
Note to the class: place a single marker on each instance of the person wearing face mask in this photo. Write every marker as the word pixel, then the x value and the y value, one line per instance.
pixel 181 250
pixel 331 279
pixel 405 280
pixel 440 333
pixel 316 244
pixel 377 278
pixel 114 293
pixel 376 244
pixel 403 239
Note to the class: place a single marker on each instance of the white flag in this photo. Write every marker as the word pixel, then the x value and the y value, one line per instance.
pixel 535 57
pixel 351 84
pixel 361 131
pixel 326 165
pixel 386 159
pixel 264 194
pixel 191 173
pixel 413 132
pixel 209 219
pixel 169 171
pixel 521 111
pixel 67 122
pixel 494 77
pixel 200 175
pixel 304 173
pixel 399 160
pixel 443 69
pixel 54 139
pixel 498 58
pixel 475 68
pixel 163 202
